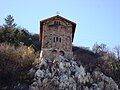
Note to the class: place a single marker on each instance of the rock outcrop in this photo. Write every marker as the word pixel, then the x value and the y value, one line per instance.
pixel 64 74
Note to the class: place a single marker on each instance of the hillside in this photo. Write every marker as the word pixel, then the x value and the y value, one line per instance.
pixel 19 52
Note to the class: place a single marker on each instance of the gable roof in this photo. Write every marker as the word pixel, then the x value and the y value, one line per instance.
pixel 57 16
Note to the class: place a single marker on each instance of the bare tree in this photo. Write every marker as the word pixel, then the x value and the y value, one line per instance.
pixel 117 51
pixel 96 48
pixel 99 48
pixel 103 47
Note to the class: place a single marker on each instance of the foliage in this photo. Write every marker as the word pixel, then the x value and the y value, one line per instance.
pixel 86 57
pixel 9 33
pixel 17 53
pixel 107 63
pixel 9 22
pixel 15 63
pixel 17 47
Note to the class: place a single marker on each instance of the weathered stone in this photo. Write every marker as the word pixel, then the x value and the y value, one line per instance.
pixel 86 88
pixel 39 73
pixel 107 82
pixel 34 86
pixel 101 85
pixel 56 35
pixel 69 76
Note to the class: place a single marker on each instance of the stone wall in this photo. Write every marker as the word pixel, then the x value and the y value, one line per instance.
pixel 57 36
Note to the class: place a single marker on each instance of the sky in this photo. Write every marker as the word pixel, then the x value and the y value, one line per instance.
pixel 97 20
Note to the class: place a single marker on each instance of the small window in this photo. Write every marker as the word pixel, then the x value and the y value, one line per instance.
pixel 55 22
pixel 59 23
pixel 56 39
pixel 59 39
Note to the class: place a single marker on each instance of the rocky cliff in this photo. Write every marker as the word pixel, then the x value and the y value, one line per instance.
pixel 61 73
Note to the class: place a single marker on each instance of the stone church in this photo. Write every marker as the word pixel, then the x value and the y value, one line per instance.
pixel 56 37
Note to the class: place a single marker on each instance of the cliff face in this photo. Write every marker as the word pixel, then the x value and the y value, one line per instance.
pixel 61 73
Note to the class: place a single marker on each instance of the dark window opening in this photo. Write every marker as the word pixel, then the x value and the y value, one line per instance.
pixel 54 51
pixel 61 53
pixel 56 39
pixel 56 23
pixel 59 39
pixel 59 23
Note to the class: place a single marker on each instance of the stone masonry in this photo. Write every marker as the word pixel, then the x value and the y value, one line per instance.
pixel 56 36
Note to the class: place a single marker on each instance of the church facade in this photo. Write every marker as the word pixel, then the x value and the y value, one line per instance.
pixel 56 37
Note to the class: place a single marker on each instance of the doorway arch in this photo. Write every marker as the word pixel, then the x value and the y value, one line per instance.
pixel 54 51
pixel 61 53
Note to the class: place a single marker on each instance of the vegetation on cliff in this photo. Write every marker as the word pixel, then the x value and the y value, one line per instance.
pixel 19 51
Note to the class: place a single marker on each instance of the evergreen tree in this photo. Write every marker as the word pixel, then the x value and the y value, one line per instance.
pixel 9 22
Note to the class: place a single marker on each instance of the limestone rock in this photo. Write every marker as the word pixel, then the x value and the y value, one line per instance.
pixel 65 74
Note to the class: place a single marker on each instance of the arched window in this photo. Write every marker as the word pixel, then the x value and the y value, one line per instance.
pixel 61 53
pixel 54 51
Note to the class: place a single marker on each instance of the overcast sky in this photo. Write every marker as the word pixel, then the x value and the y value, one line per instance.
pixel 97 20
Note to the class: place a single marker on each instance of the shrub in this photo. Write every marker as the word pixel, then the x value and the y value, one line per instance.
pixel 15 64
